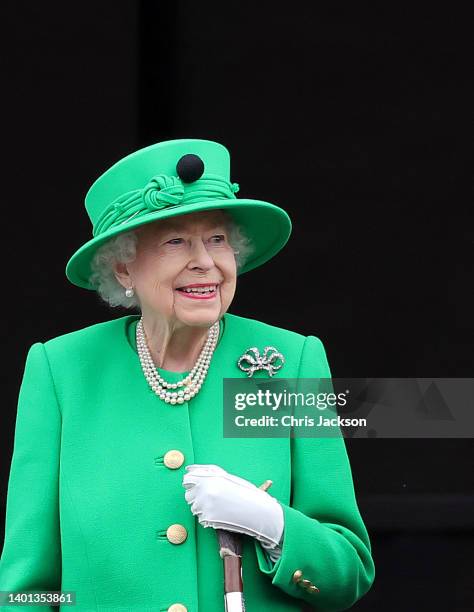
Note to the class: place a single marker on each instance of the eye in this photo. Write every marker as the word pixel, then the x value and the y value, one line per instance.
pixel 220 238
pixel 174 241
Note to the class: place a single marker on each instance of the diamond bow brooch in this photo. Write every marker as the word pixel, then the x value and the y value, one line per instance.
pixel 261 362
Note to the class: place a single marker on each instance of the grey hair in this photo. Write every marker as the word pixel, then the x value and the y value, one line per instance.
pixel 122 249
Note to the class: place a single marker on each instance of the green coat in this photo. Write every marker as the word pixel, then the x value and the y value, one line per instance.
pixel 90 497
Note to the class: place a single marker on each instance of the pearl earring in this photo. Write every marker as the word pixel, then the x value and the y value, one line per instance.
pixel 129 292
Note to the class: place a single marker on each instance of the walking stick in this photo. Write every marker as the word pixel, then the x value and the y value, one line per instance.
pixel 230 550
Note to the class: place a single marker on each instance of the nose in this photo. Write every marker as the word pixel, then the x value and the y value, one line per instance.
pixel 199 256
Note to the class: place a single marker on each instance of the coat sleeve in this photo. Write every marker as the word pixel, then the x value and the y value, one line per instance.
pixel 324 535
pixel 31 557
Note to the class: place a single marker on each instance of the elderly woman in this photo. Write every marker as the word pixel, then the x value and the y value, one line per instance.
pixel 120 472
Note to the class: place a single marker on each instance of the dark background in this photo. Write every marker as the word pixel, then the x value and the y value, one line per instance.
pixel 358 124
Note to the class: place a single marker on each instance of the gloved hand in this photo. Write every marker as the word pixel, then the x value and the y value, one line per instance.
pixel 225 501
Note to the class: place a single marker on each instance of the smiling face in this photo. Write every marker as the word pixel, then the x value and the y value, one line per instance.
pixel 178 253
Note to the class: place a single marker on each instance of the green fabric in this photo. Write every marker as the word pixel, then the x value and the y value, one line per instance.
pixel 160 192
pixel 142 188
pixel 90 499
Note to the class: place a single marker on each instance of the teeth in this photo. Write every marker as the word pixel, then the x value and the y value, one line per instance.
pixel 208 289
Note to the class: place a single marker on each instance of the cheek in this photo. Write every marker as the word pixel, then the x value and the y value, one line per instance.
pixel 229 271
pixel 230 279
pixel 155 286
pixel 163 291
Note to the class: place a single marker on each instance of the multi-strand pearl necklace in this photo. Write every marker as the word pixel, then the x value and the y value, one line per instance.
pixel 188 386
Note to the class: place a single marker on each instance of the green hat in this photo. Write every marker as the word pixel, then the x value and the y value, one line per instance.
pixel 172 178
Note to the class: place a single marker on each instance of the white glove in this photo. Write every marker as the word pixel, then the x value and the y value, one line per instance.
pixel 225 501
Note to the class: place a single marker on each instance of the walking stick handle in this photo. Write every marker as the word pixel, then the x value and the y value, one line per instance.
pixel 266 485
pixel 230 550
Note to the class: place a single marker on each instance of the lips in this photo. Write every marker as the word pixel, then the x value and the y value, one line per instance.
pixel 193 285
pixel 199 291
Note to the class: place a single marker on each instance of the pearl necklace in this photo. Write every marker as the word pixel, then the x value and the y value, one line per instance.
pixel 191 384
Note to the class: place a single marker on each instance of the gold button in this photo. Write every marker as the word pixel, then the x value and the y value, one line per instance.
pixel 297 576
pixel 177 608
pixel 174 459
pixel 176 533
pixel 305 583
pixel 313 589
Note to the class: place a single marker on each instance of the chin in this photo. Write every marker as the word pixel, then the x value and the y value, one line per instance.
pixel 200 319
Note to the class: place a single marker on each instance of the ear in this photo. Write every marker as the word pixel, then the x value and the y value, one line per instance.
pixel 122 274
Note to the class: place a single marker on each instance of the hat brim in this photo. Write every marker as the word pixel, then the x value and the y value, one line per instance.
pixel 267 225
